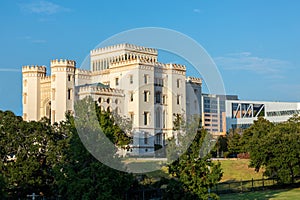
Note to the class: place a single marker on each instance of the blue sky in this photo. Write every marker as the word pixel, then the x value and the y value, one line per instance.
pixel 255 44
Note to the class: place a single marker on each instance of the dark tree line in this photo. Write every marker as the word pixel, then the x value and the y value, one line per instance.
pixel 274 148
pixel 50 160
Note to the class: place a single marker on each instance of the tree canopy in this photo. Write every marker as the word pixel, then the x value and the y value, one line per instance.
pixel 273 147
pixel 194 174
pixel 50 160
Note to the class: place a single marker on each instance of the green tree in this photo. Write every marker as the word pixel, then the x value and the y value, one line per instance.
pixel 23 151
pixel 234 141
pixel 251 137
pixel 2 187
pixel 221 146
pixel 50 159
pixel 80 175
pixel 276 148
pixel 194 174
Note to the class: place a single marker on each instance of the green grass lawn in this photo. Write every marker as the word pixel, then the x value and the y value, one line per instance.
pixel 284 194
pixel 233 169
pixel 153 168
pixel 237 169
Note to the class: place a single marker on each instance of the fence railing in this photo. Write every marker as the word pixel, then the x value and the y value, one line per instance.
pixel 248 185
pixel 220 188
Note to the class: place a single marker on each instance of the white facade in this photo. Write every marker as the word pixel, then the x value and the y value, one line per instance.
pixel 241 114
pixel 124 78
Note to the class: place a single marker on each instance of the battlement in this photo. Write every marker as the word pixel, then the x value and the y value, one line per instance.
pixel 63 62
pixel 148 62
pixel 194 80
pixel 100 90
pixel 34 69
pixel 46 79
pixel 83 72
pixel 125 46
pixel 176 66
pixel 124 62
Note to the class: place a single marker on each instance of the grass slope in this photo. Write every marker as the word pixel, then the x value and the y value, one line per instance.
pixel 237 169
pixel 285 194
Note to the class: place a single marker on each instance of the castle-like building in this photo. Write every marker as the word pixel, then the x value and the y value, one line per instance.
pixel 123 78
pixel 128 80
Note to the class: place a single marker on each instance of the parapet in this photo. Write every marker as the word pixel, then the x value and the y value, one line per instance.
pixel 194 80
pixel 177 67
pixel 46 79
pixel 63 62
pixel 125 46
pixel 100 90
pixel 83 72
pixel 149 62
pixel 34 69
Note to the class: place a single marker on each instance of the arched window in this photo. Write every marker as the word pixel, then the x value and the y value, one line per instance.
pixel 48 110
pixel 117 110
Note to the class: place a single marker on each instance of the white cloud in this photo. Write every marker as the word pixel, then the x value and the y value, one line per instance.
pixel 32 40
pixel 42 7
pixel 10 70
pixel 39 41
pixel 196 10
pixel 247 62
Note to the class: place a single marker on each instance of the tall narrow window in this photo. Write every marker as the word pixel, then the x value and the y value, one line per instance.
pixel 131 96
pixel 178 99
pixel 131 79
pixel 178 83
pixel 25 98
pixel 146 96
pixel 69 94
pixel 131 114
pixel 164 119
pixel 146 135
pixel 158 138
pixel 158 97
pixel 164 99
pixel 117 81
pixel 146 79
pixel 69 77
pixel 157 118
pixel 146 118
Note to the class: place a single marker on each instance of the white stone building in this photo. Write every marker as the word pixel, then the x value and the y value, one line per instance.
pixel 124 78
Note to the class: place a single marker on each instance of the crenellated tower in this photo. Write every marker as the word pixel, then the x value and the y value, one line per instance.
pixel 62 88
pixel 32 76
